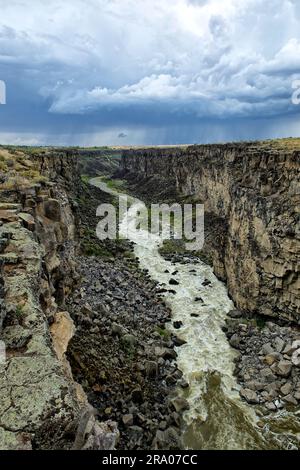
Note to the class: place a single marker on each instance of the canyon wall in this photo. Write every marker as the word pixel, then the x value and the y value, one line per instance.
pixel 40 403
pixel 252 203
pixel 102 161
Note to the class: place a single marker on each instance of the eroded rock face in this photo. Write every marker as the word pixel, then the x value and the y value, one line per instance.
pixel 34 387
pixel 251 197
pixel 40 403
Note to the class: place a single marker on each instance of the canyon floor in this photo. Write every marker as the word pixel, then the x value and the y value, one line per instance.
pixel 266 360
pixel 122 353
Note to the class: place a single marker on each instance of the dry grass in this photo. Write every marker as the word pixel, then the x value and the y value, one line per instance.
pixel 288 144
pixel 17 171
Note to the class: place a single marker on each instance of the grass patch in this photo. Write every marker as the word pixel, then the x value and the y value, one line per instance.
pixel 19 311
pixel 172 246
pixel 93 249
pixel 163 333
pixel 18 170
pixel 85 179
pixel 3 166
pixel 129 351
pixel 260 322
pixel 116 184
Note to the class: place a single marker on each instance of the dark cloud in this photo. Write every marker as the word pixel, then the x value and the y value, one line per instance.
pixel 147 64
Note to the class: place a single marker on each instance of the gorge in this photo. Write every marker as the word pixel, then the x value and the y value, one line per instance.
pixel 59 282
pixel 252 193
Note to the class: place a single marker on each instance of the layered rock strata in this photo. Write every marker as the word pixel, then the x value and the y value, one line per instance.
pixel 41 406
pixel 252 204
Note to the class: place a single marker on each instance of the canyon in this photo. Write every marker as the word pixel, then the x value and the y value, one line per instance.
pixel 62 311
pixel 251 197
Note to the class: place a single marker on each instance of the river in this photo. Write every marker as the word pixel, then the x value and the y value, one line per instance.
pixel 217 418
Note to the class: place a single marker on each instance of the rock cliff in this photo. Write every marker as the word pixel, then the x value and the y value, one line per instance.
pixel 252 204
pixel 40 403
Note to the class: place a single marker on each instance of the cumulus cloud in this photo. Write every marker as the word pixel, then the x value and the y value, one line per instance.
pixel 202 58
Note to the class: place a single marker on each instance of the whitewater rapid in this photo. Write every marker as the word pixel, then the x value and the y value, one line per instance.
pixel 217 418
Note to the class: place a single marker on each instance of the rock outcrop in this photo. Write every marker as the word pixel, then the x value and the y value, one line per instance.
pixel 40 403
pixel 252 204
pixel 101 161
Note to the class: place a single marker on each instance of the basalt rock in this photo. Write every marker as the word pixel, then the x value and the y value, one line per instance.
pixel 40 402
pixel 251 198
pixel 267 377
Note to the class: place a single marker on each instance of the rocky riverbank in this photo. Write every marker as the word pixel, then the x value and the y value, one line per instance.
pixel 123 356
pixel 268 363
pixel 121 352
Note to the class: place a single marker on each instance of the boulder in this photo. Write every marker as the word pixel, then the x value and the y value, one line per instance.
pixel 183 384
pixel 297 395
pixel 118 330
pixel 296 344
pixel 267 349
pixel 235 341
pixel 234 314
pixel 179 404
pixel 28 220
pixel 283 368
pixel 151 369
pixel 178 341
pixel 168 439
pixel 296 358
pixel 278 344
pixel 255 385
pixel 286 389
pixel 53 210
pixel 8 215
pixel 127 420
pixel 267 375
pixel 170 380
pixel 165 353
pixel 290 400
pixel 62 330
pixel 288 349
pixel 272 357
pixel 129 340
pixel 270 406
pixel 249 395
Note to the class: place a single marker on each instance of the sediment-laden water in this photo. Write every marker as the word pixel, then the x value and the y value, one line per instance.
pixel 217 418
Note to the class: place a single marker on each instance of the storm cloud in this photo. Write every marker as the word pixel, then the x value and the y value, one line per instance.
pixel 88 70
